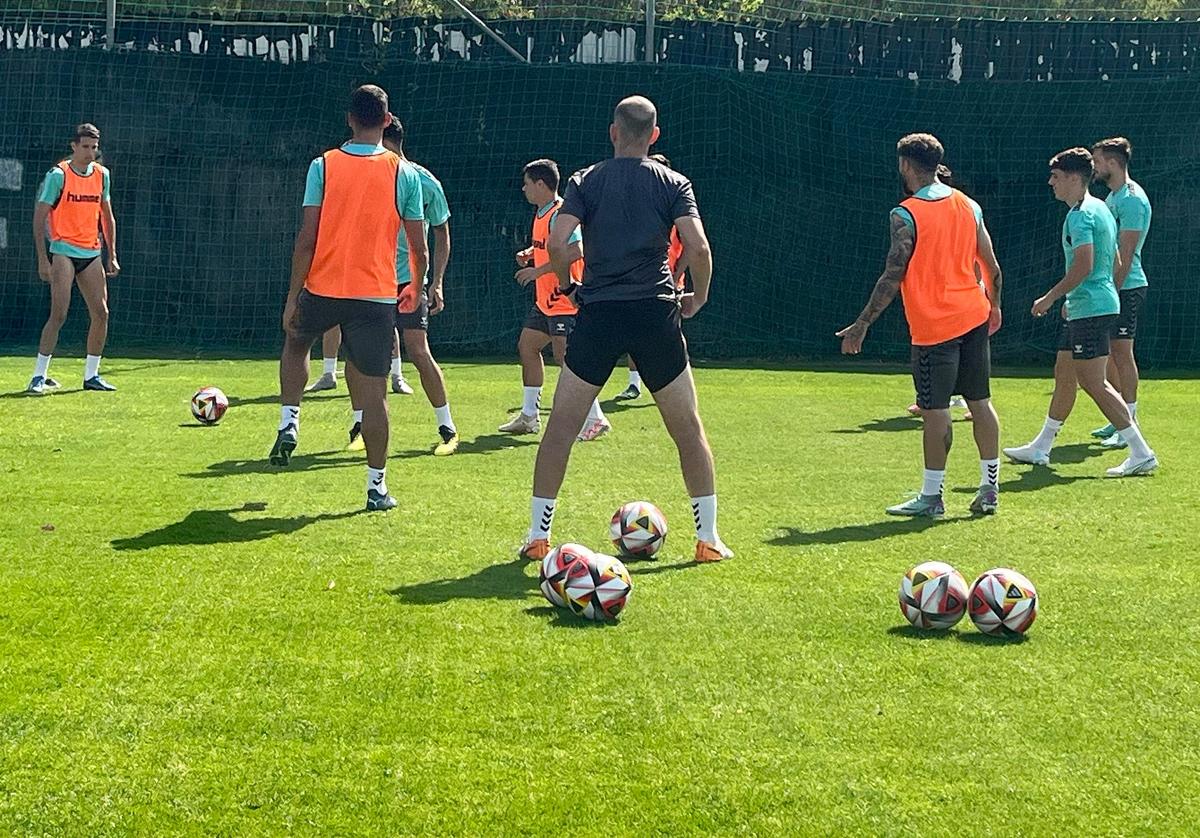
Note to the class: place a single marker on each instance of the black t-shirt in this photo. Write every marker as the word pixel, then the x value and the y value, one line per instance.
pixel 627 207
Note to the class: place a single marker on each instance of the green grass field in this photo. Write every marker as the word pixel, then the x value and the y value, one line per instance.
pixel 193 642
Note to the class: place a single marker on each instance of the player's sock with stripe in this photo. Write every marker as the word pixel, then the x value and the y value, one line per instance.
pixel 541 514
pixel 594 412
pixel 1138 448
pixel 989 472
pixel 330 367
pixel 704 513
pixel 443 417
pixel 529 406
pixel 377 480
pixel 42 366
pixel 91 367
pixel 289 414
pixel 356 416
pixel 1044 441
pixel 396 366
pixel 931 485
pixel 635 379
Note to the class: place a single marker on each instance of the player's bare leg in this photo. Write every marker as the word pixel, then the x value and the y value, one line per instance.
pixel 533 375
pixel 62 275
pixel 331 343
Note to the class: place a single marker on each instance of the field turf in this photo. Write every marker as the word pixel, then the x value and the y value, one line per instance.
pixel 195 643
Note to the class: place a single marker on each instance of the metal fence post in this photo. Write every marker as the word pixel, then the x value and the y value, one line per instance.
pixel 651 49
pixel 110 24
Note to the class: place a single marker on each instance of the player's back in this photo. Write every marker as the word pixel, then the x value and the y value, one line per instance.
pixel 628 208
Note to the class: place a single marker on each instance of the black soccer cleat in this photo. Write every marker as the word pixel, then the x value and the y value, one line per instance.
pixel 285 444
pixel 380 502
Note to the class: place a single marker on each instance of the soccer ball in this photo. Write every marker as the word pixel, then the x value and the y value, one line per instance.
pixel 639 529
pixel 209 405
pixel 554 569
pixel 1003 603
pixel 933 595
pixel 597 588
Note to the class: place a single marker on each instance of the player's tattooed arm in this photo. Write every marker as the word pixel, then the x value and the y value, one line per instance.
pixel 899 254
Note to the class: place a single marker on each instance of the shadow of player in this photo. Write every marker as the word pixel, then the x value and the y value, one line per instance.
pixel 486 444
pixel 219 526
pixel 300 462
pixel 792 537
pixel 889 425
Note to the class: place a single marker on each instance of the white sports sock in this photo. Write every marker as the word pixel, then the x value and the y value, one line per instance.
pixel 357 414
pixel 396 366
pixel 594 412
pixel 529 406
pixel 443 416
pixel 289 414
pixel 704 512
pixel 932 482
pixel 989 472
pixel 1138 448
pixel 42 366
pixel 1132 407
pixel 1044 441
pixel 330 366
pixel 377 480
pixel 541 517
pixel 635 379
pixel 91 367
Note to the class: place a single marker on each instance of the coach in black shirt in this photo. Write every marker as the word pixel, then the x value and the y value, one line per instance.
pixel 628 303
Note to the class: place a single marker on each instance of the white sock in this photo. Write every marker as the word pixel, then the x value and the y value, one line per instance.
pixel 377 480
pixel 1132 407
pixel 289 414
pixel 91 367
pixel 933 480
pixel 443 416
pixel 541 517
pixel 1138 448
pixel 635 379
pixel 529 406
pixel 594 412
pixel 357 414
pixel 1044 441
pixel 989 472
pixel 396 366
pixel 704 512
pixel 330 367
pixel 42 366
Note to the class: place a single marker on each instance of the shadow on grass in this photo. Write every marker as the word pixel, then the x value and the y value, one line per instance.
pixel 219 526
pixel 792 537
pixel 978 638
pixel 892 424
pixel 273 398
pixel 497 581
pixel 1078 452
pixel 614 406
pixel 910 632
pixel 562 618
pixel 486 444
pixel 301 462
pixel 1030 480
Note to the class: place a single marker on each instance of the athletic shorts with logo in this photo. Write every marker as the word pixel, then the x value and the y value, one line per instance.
pixel 416 319
pixel 1087 337
pixel 649 331
pixel 557 326
pixel 1132 300
pixel 962 366
pixel 366 328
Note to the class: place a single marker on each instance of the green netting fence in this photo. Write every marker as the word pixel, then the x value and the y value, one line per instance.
pixel 787 129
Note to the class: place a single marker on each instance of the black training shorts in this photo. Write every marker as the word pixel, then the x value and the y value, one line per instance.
pixel 648 330
pixel 556 326
pixel 418 319
pixel 366 328
pixel 1132 300
pixel 1087 337
pixel 960 366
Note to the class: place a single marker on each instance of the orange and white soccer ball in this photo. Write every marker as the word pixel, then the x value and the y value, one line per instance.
pixel 1003 602
pixel 209 405
pixel 555 567
pixel 597 588
pixel 933 595
pixel 638 529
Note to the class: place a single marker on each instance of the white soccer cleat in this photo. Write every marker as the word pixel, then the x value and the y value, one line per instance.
pixel 1029 455
pixel 594 430
pixel 521 424
pixel 1114 443
pixel 327 381
pixel 1130 468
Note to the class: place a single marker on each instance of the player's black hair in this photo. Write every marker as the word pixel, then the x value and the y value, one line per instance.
pixel 85 129
pixel 369 105
pixel 394 132
pixel 922 150
pixel 1074 161
pixel 544 170
pixel 1116 147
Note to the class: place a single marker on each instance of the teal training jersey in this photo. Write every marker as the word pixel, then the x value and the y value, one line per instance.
pixel 434 211
pixel 1131 208
pixel 1090 222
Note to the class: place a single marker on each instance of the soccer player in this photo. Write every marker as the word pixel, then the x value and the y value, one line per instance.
pixel 628 303
pixel 1089 241
pixel 552 316
pixel 74 206
pixel 356 199
pixel 1131 208
pixel 634 390
pixel 938 235
pixel 413 323
pixel 331 342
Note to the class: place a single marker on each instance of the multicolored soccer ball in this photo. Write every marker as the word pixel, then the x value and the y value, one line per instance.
pixel 1003 603
pixel 209 405
pixel 597 588
pixel 933 595
pixel 556 566
pixel 639 529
